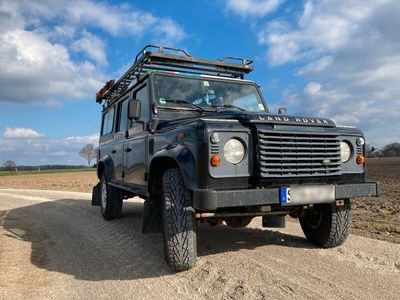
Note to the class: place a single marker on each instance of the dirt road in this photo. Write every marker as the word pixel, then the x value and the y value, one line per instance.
pixel 55 245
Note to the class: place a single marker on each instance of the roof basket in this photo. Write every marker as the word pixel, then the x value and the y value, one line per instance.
pixel 158 58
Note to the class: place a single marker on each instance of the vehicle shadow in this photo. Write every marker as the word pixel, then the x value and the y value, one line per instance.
pixel 69 236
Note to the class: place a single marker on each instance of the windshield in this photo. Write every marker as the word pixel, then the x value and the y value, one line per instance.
pixel 208 93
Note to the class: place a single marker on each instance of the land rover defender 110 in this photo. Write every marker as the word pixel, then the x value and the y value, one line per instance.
pixel 198 143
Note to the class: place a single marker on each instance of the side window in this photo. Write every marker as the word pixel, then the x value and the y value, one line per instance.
pixel 123 115
pixel 108 120
pixel 143 96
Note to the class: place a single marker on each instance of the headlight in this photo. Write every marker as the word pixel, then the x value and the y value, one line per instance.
pixel 234 151
pixel 345 151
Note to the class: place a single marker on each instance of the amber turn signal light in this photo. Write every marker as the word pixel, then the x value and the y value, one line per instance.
pixel 215 160
pixel 360 159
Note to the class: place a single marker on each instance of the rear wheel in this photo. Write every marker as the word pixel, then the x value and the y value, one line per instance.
pixel 179 226
pixel 327 225
pixel 110 200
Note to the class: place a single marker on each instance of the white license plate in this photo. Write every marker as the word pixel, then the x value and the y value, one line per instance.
pixel 307 194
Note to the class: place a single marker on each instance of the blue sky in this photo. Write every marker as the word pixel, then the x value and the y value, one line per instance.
pixel 330 59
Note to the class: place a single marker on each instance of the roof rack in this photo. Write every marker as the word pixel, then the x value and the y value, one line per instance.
pixel 173 60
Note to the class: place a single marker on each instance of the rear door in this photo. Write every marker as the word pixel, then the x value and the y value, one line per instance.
pixel 135 147
pixel 120 137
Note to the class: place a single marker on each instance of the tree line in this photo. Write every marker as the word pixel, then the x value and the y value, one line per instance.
pixel 88 152
pixel 390 150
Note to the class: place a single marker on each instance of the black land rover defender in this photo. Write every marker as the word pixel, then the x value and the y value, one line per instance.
pixel 197 142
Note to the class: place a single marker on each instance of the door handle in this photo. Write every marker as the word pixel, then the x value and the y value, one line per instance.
pixel 128 150
pixel 114 151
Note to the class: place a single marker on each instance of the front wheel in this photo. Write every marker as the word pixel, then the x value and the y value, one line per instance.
pixel 179 226
pixel 327 225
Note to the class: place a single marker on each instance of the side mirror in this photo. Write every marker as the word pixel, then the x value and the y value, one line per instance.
pixel 134 109
pixel 282 111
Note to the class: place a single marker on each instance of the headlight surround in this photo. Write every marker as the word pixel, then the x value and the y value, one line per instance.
pixel 345 151
pixel 234 151
pixel 214 138
pixel 360 141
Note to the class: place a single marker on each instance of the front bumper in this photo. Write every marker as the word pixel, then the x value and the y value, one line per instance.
pixel 209 200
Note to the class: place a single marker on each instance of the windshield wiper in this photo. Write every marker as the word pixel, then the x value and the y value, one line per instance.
pixel 184 101
pixel 229 106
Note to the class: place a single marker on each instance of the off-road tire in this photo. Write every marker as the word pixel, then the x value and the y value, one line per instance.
pixel 110 200
pixel 327 225
pixel 179 226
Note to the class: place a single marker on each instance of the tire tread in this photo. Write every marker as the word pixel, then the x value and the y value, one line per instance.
pixel 179 223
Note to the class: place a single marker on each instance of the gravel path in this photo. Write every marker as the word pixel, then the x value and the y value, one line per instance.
pixel 55 245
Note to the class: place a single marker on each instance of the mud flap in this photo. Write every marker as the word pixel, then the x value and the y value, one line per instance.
pixel 152 216
pixel 96 195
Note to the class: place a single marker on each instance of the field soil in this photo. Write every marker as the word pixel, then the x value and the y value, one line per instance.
pixel 380 217
pixel 372 217
pixel 63 181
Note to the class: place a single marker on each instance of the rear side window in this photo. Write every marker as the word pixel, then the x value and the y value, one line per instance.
pixel 108 121
pixel 123 116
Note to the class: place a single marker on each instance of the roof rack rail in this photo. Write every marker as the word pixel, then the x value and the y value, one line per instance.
pixel 173 60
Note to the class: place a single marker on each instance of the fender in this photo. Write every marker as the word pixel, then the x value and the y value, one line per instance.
pixel 185 160
pixel 105 166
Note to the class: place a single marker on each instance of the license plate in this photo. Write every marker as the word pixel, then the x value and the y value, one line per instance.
pixel 309 194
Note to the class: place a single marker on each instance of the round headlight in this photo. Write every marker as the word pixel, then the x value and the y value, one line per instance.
pixel 360 141
pixel 345 151
pixel 234 151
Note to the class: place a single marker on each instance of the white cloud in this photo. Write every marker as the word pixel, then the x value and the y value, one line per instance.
pixel 31 150
pixel 312 88
pixel 92 46
pixel 255 8
pixel 351 50
pixel 21 133
pixel 73 141
pixel 316 66
pixel 37 39
pixel 36 70
pixel 61 153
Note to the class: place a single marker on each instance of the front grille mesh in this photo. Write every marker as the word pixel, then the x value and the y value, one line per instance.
pixel 288 155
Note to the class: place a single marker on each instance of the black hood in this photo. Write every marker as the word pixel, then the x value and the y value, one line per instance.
pixel 252 118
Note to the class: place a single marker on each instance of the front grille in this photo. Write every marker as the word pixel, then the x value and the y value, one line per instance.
pixel 288 155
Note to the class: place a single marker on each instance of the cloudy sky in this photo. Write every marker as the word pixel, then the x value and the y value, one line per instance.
pixel 335 59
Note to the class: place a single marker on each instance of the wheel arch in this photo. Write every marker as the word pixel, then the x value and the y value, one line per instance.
pixel 176 157
pixel 105 165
